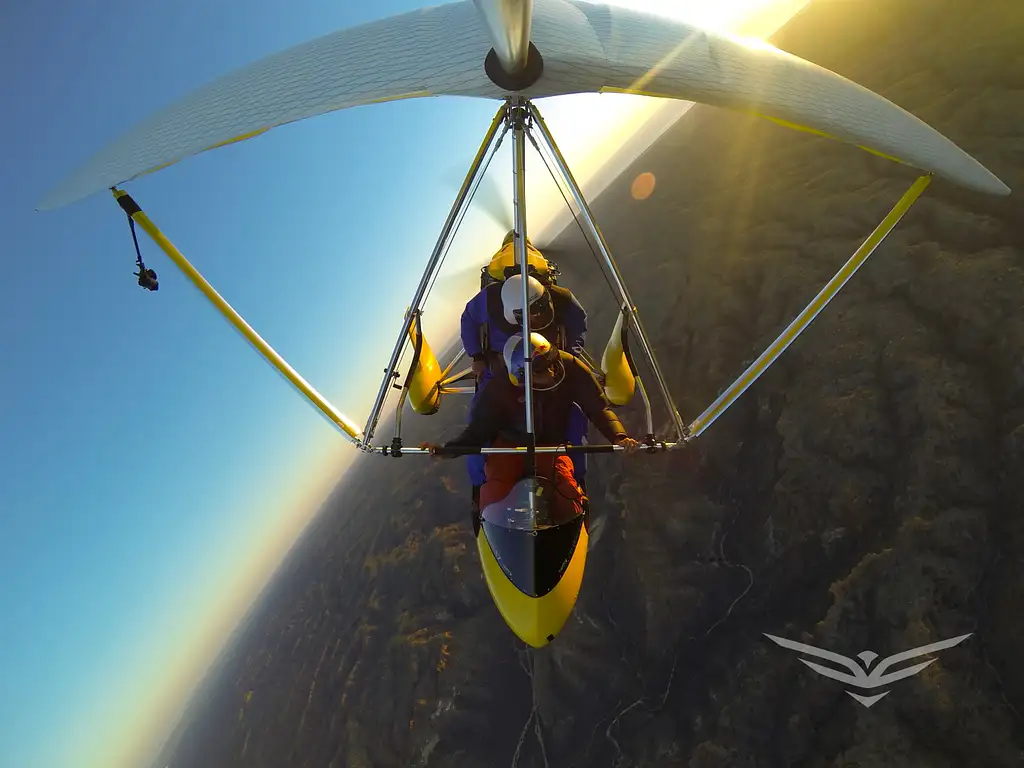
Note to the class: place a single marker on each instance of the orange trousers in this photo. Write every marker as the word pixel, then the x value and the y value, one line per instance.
pixel 504 470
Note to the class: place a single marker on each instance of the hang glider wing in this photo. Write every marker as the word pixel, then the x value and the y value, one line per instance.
pixel 430 52
pixel 647 55
pixel 586 47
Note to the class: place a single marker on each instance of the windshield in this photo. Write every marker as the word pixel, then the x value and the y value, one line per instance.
pixel 528 507
pixel 530 542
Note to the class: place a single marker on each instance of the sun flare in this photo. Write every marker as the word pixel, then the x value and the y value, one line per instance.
pixel 723 15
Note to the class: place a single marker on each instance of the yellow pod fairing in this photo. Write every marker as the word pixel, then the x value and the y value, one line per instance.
pixel 533 564
pixel 619 379
pixel 425 381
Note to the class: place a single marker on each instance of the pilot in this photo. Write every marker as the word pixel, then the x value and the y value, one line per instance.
pixel 495 312
pixel 560 381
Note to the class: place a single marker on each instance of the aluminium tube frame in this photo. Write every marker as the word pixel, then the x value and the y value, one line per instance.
pixel 137 215
pixel 660 446
pixel 518 115
pixel 682 430
pixel 508 24
pixel 433 265
pixel 648 414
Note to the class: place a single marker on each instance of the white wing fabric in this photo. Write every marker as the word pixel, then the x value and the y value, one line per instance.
pixel 423 53
pixel 440 51
pixel 659 58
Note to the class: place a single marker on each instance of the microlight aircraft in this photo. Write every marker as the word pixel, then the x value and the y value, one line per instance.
pixel 515 52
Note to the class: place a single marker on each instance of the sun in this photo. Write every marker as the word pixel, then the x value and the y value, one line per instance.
pixel 591 128
pixel 721 15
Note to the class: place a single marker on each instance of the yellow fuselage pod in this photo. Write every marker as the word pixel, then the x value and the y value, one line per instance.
pixel 619 381
pixel 537 620
pixel 506 257
pixel 424 387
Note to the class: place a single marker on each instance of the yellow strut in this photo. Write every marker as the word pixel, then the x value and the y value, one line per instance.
pixel 804 319
pixel 132 209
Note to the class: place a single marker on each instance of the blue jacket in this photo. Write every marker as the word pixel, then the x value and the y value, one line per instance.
pixel 484 311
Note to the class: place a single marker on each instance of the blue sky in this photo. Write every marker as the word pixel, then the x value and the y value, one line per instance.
pixel 153 466
pixel 141 434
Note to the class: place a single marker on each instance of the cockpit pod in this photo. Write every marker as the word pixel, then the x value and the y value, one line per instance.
pixel 533 553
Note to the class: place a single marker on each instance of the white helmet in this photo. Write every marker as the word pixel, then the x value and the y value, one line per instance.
pixel 542 311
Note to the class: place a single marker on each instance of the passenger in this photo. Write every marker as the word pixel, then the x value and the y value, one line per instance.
pixel 560 381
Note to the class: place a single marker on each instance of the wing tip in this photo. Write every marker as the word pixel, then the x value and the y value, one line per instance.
pixel 63 194
pixel 997 187
pixel 45 205
pixel 980 180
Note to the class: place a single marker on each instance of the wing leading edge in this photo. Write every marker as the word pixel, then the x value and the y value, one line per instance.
pixel 586 48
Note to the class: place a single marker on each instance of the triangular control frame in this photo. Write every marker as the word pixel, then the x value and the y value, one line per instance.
pixel 520 116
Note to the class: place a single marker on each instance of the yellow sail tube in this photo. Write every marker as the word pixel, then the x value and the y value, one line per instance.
pixel 825 295
pixel 269 353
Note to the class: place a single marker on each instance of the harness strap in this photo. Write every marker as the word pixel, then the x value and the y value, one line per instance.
pixel 561 336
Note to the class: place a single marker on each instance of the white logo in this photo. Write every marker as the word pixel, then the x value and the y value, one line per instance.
pixel 860 677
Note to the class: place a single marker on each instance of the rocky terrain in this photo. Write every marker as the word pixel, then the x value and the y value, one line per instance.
pixel 866 494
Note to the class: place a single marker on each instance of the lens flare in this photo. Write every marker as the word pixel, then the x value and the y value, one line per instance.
pixel 643 186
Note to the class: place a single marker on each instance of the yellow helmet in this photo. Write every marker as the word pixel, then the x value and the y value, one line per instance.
pixel 510 236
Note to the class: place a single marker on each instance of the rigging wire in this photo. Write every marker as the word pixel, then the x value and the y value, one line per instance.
pixel 444 255
pixel 462 214
pixel 560 182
